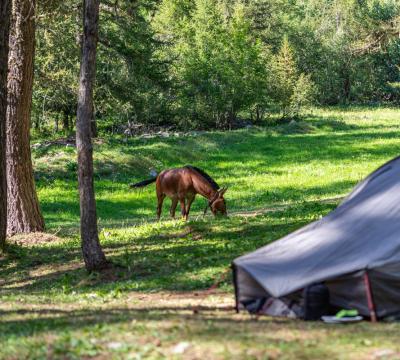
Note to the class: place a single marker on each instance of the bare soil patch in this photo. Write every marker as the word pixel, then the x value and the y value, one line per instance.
pixel 36 238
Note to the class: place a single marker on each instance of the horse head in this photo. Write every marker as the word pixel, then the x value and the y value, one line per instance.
pixel 217 203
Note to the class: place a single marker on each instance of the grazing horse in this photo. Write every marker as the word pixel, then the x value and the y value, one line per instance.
pixel 182 184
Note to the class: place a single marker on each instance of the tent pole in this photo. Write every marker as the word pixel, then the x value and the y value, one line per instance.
pixel 236 288
pixel 371 305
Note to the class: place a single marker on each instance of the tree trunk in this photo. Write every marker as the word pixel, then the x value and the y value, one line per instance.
pixel 346 87
pixel 56 123
pixel 4 32
pixel 71 122
pixel 92 253
pixel 23 213
pixel 65 122
pixel 36 123
pixel 346 81
pixel 93 124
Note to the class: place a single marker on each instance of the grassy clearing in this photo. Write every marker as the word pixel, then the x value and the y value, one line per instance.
pixel 280 177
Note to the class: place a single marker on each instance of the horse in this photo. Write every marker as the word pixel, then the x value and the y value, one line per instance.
pixel 182 184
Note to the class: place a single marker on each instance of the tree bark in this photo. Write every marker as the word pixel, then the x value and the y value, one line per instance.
pixel 4 38
pixel 92 253
pixel 93 125
pixel 23 213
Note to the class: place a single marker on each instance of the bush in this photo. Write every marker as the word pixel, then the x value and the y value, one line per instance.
pixel 303 94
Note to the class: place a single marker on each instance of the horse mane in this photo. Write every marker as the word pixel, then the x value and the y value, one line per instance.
pixel 207 177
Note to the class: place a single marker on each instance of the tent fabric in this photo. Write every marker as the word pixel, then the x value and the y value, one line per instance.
pixel 362 233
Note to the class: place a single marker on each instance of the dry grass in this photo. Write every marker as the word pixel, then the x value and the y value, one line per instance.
pixel 31 239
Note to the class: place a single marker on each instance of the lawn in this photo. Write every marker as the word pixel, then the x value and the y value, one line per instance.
pixel 156 304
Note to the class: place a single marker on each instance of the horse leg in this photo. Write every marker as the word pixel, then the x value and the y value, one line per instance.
pixel 189 204
pixel 160 200
pixel 183 207
pixel 173 207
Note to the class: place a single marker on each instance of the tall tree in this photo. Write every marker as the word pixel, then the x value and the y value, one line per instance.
pixel 285 71
pixel 218 68
pixel 23 212
pixel 92 253
pixel 4 32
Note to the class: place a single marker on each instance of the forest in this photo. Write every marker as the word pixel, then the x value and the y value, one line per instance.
pixel 212 64
pixel 279 107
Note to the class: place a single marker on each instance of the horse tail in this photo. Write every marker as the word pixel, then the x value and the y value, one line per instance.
pixel 143 183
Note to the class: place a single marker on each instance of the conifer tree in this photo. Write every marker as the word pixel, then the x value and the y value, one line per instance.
pixel 284 76
pixel 290 89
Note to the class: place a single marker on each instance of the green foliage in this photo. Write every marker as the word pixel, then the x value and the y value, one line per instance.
pixel 303 94
pixel 210 63
pixel 129 81
pixel 56 65
pixel 131 84
pixel 290 90
pixel 219 69
pixel 344 47
pixel 285 76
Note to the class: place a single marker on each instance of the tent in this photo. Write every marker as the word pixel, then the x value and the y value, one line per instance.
pixel 354 251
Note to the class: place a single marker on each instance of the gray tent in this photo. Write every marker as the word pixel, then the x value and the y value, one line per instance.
pixel 354 250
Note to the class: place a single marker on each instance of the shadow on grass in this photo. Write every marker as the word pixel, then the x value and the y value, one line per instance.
pixel 155 262
pixel 230 158
pixel 123 213
pixel 336 142
pixel 210 322
pixel 196 253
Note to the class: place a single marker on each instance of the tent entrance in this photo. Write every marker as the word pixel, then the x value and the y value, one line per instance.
pixel 351 291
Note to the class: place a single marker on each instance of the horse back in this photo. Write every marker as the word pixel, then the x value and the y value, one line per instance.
pixel 175 182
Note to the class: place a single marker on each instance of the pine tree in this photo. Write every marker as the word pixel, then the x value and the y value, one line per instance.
pixel 23 212
pixel 92 252
pixel 285 76
pixel 4 35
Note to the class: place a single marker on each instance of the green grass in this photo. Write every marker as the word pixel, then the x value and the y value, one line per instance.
pixel 280 177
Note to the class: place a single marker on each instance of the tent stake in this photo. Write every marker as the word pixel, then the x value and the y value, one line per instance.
pixel 371 305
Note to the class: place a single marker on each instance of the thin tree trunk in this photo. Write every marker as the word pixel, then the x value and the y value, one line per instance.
pixel 346 81
pixel 66 122
pixel 37 123
pixel 23 213
pixel 71 122
pixel 92 253
pixel 4 32
pixel 56 123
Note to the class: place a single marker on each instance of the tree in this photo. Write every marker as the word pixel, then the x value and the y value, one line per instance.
pixel 285 75
pixel 56 64
pixel 218 67
pixel 125 59
pixel 381 25
pixel 201 63
pixel 4 32
pixel 92 253
pixel 23 212
pixel 291 90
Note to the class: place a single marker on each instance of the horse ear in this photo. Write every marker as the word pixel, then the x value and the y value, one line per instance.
pixel 223 191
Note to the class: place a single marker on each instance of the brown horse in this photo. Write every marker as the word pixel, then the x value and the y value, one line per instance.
pixel 182 184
